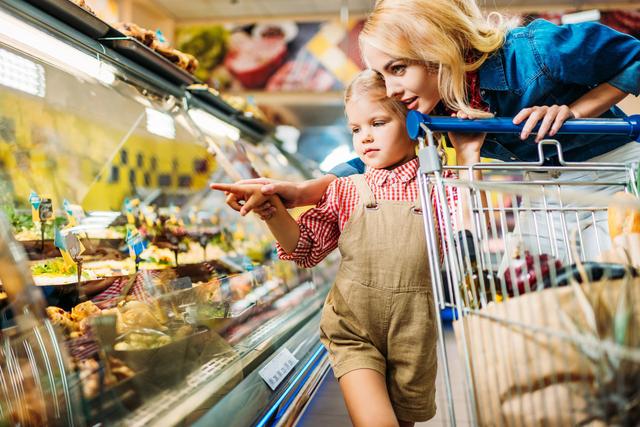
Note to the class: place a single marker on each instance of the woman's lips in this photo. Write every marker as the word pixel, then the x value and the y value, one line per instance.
pixel 411 103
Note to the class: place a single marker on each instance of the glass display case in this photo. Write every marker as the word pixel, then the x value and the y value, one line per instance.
pixel 130 294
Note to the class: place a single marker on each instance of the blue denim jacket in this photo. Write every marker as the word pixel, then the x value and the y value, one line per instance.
pixel 546 64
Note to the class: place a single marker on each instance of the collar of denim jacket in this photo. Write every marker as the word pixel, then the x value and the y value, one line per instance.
pixel 491 74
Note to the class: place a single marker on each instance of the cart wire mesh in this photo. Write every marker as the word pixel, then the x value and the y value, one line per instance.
pixel 547 304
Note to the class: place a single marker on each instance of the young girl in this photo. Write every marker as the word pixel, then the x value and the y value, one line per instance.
pixel 378 320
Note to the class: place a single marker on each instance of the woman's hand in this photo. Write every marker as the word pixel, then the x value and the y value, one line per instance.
pixel 553 117
pixel 466 145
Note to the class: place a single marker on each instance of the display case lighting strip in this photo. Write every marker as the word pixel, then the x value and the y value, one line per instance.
pixel 21 74
pixel 214 125
pixel 29 39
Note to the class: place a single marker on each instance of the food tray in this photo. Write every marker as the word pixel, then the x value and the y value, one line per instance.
pixel 66 296
pixel 100 247
pixel 166 365
pixel 78 18
pixel 141 54
pixel 210 98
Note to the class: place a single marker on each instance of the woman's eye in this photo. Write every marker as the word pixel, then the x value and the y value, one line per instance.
pixel 398 69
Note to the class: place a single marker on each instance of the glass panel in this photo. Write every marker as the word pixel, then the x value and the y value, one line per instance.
pixel 170 294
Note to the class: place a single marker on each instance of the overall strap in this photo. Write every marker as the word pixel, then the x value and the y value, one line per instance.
pixel 364 191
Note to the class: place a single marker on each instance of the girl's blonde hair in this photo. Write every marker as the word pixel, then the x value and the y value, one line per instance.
pixel 452 36
pixel 369 84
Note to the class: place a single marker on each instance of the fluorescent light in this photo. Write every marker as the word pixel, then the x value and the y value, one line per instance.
pixel 339 155
pixel 21 74
pixel 584 16
pixel 29 39
pixel 213 125
pixel 161 124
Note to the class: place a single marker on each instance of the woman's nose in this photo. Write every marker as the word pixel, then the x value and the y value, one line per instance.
pixel 393 90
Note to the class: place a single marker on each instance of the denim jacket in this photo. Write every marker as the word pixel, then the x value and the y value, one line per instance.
pixel 546 64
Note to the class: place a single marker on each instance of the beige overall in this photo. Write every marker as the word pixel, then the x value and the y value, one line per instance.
pixel 380 312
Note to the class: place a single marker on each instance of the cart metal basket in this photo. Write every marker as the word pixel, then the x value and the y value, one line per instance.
pixel 546 326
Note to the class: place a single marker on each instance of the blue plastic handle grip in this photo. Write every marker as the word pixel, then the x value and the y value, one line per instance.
pixel 629 126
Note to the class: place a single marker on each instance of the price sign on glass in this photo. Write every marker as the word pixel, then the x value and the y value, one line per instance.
pixel 278 368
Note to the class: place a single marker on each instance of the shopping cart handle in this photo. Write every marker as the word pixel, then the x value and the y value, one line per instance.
pixel 629 126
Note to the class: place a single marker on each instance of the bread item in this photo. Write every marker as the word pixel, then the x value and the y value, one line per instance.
pixel 623 219
pixel 83 4
pixel 148 38
pixel 84 310
pixel 144 36
pixel 60 317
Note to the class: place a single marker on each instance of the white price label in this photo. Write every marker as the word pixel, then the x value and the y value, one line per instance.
pixel 278 368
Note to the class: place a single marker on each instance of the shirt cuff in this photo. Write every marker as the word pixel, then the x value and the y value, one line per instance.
pixel 301 253
pixel 628 81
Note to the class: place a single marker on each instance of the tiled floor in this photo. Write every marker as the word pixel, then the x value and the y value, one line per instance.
pixel 328 409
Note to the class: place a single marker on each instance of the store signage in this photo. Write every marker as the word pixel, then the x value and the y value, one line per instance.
pixel 278 368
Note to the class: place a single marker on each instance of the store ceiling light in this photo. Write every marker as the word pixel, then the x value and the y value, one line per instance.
pixel 161 124
pixel 26 38
pixel 21 74
pixel 583 16
pixel 213 125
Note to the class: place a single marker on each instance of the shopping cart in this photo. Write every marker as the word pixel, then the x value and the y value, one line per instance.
pixel 546 328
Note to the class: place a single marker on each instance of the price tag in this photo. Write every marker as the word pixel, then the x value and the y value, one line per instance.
pixel 73 245
pixel 45 210
pixel 278 368
pixel 34 200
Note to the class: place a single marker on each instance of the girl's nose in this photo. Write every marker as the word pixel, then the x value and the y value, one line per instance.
pixel 368 139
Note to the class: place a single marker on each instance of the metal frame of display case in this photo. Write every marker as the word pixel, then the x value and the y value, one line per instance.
pixel 295 328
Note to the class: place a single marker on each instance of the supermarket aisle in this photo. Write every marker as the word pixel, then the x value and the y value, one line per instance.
pixel 328 409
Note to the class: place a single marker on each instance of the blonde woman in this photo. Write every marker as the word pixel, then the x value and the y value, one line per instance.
pixel 445 57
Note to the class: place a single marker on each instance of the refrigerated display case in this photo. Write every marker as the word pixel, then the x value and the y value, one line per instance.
pixel 130 293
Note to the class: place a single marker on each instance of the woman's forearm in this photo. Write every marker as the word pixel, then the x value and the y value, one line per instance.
pixel 283 227
pixel 597 101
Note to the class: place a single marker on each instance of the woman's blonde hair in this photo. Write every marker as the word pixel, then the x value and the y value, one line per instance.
pixel 369 84
pixel 452 35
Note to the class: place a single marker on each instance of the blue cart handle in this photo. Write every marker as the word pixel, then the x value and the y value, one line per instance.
pixel 629 126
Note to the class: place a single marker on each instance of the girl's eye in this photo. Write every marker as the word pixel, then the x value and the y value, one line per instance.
pixel 378 123
pixel 398 69
pixel 355 130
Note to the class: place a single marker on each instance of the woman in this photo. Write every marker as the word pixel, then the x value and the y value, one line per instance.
pixel 444 57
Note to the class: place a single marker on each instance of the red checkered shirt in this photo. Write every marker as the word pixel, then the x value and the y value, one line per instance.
pixel 320 227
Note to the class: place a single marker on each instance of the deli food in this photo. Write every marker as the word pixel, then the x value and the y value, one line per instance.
pixel 148 38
